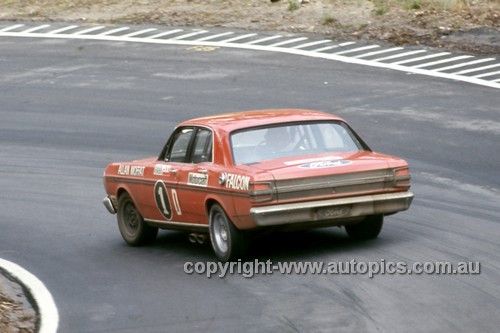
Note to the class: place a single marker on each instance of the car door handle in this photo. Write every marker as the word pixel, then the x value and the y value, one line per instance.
pixel 202 170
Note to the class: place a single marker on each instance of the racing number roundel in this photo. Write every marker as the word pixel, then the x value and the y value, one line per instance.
pixel 162 200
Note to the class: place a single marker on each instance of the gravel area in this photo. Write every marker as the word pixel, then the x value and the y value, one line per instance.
pixel 454 24
pixel 16 312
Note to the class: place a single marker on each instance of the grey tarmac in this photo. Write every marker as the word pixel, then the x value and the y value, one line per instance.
pixel 69 107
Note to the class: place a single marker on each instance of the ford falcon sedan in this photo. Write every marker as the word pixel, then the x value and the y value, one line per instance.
pixel 227 176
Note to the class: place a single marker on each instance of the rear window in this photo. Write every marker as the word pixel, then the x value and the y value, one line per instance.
pixel 259 144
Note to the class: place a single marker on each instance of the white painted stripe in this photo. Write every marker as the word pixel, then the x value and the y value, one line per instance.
pixel 400 55
pixel 301 46
pixel 12 27
pixel 140 32
pixel 265 39
pixel 86 31
pixel 486 74
pixel 237 38
pixel 497 80
pixel 357 49
pixel 177 206
pixel 165 33
pixel 63 29
pixel 40 27
pixel 464 64
pixel 430 56
pixel 378 52
pixel 49 316
pixel 109 32
pixel 191 34
pixel 289 41
pixel 465 71
pixel 215 36
pixel 347 43
pixel 428 64
pixel 325 48
pixel 329 56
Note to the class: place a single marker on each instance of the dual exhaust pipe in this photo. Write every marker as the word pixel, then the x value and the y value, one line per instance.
pixel 197 238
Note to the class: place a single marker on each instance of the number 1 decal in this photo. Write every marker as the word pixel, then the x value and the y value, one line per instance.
pixel 162 200
pixel 176 202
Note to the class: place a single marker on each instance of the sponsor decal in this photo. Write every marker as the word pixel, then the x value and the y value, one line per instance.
pixel 324 164
pixel 131 170
pixel 161 169
pixel 317 159
pixel 197 179
pixel 237 182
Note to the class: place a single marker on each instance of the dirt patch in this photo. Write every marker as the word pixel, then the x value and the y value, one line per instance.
pixel 456 24
pixel 16 313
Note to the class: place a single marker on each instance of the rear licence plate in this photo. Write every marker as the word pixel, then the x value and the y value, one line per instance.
pixel 334 212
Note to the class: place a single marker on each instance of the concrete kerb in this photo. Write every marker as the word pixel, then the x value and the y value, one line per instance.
pixel 37 294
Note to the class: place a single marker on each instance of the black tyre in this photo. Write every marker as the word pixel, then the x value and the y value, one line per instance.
pixel 228 242
pixel 134 230
pixel 369 228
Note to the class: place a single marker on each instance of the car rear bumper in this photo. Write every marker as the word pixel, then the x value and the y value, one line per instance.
pixel 331 210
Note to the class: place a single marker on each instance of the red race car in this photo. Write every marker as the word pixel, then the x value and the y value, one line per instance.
pixel 228 175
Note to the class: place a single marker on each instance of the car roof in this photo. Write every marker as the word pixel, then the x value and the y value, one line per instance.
pixel 245 119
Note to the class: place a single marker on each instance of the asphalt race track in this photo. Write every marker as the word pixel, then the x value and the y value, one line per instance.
pixel 69 107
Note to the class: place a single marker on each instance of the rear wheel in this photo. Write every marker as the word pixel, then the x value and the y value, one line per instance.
pixel 369 228
pixel 228 242
pixel 132 227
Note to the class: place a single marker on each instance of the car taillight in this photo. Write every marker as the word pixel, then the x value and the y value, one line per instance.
pixel 261 191
pixel 402 178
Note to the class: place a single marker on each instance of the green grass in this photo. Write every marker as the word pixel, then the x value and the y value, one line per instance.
pixel 414 4
pixel 328 20
pixel 293 5
pixel 381 7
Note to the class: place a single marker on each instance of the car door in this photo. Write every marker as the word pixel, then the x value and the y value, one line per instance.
pixel 166 176
pixel 194 176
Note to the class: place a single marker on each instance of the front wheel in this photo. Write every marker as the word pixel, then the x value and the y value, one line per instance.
pixel 228 242
pixel 132 227
pixel 369 228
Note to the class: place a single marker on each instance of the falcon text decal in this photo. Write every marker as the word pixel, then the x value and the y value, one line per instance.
pixel 237 182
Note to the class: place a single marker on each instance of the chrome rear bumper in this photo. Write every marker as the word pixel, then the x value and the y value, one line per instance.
pixel 331 210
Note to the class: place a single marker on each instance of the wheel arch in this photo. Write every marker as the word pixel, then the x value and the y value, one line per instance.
pixel 210 201
pixel 208 205
pixel 120 192
pixel 228 207
pixel 124 189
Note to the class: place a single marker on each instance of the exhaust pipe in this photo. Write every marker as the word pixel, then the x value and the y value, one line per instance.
pixel 197 238
pixel 192 238
pixel 200 238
